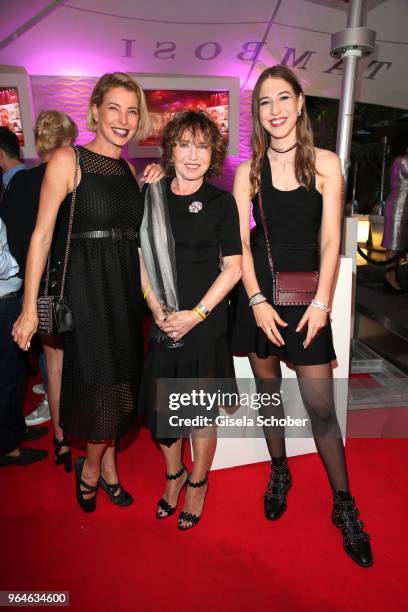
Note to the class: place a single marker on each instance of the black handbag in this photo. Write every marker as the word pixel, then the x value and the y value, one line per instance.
pixel 54 313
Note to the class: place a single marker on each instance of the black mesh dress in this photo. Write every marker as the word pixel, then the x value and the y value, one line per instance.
pixel 104 354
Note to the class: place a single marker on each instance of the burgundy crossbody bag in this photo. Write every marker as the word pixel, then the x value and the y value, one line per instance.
pixel 289 288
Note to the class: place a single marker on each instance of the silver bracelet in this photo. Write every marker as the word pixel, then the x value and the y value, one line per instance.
pixel 320 305
pixel 257 298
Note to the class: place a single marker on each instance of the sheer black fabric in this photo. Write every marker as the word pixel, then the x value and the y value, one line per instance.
pixel 103 355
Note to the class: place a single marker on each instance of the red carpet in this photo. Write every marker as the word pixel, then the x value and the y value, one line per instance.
pixel 125 559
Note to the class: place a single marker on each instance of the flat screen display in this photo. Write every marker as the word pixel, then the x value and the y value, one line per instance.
pixel 164 104
pixel 10 112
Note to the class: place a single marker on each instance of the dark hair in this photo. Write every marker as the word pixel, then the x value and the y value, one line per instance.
pixel 305 155
pixel 9 143
pixel 198 123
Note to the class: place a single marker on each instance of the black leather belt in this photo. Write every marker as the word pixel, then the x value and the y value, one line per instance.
pixel 114 234
pixel 9 295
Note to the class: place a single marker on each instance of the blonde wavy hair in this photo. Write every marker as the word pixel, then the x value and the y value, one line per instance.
pixel 52 129
pixel 119 79
pixel 305 168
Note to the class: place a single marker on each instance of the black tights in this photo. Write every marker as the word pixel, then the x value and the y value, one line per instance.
pixel 315 384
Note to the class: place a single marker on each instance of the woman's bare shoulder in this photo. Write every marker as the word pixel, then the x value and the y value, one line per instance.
pixel 327 162
pixel 63 157
pixel 244 168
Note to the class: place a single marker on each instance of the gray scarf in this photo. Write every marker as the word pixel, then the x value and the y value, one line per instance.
pixel 158 246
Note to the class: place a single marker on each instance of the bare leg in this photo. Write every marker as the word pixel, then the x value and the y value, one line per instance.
pixel 108 465
pixel 108 478
pixel 92 466
pixel 204 445
pixel 316 387
pixel 172 457
pixel 54 355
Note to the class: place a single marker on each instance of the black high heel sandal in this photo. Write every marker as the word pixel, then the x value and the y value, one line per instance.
pixel 87 505
pixel 193 519
pixel 120 499
pixel 64 459
pixel 163 504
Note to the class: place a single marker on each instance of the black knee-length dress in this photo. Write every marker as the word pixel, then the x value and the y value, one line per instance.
pixel 200 239
pixel 103 356
pixel 293 220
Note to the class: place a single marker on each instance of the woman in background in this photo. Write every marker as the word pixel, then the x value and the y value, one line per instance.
pixel 52 130
pixel 395 237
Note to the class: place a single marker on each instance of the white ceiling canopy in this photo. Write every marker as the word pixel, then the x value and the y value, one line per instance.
pixel 215 37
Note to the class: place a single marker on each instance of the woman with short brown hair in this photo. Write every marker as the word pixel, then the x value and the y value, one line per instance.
pixel 189 226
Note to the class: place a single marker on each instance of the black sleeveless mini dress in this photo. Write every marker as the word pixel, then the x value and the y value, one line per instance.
pixel 293 220
pixel 103 356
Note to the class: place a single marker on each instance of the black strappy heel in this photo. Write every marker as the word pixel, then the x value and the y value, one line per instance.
pixel 87 505
pixel 120 499
pixel 193 519
pixel 163 504
pixel 64 459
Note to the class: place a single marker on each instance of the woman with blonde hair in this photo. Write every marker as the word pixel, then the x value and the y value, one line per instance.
pixel 296 192
pixel 53 129
pixel 103 353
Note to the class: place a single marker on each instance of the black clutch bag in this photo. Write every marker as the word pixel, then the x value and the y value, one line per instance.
pixel 54 313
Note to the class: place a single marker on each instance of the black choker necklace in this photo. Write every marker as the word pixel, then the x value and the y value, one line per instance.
pixel 285 151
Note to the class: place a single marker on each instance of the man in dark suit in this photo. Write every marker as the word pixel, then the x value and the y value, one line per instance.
pixel 19 223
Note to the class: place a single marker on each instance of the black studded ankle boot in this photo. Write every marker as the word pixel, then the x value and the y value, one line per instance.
pixel 356 541
pixel 278 487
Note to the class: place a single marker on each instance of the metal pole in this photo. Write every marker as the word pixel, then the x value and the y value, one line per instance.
pixel 383 168
pixel 350 45
pixel 346 110
pixel 354 204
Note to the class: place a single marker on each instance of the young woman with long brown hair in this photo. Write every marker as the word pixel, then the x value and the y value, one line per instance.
pixel 301 188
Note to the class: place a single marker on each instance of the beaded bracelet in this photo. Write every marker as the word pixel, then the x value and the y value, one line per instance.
pixel 320 305
pixel 257 298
